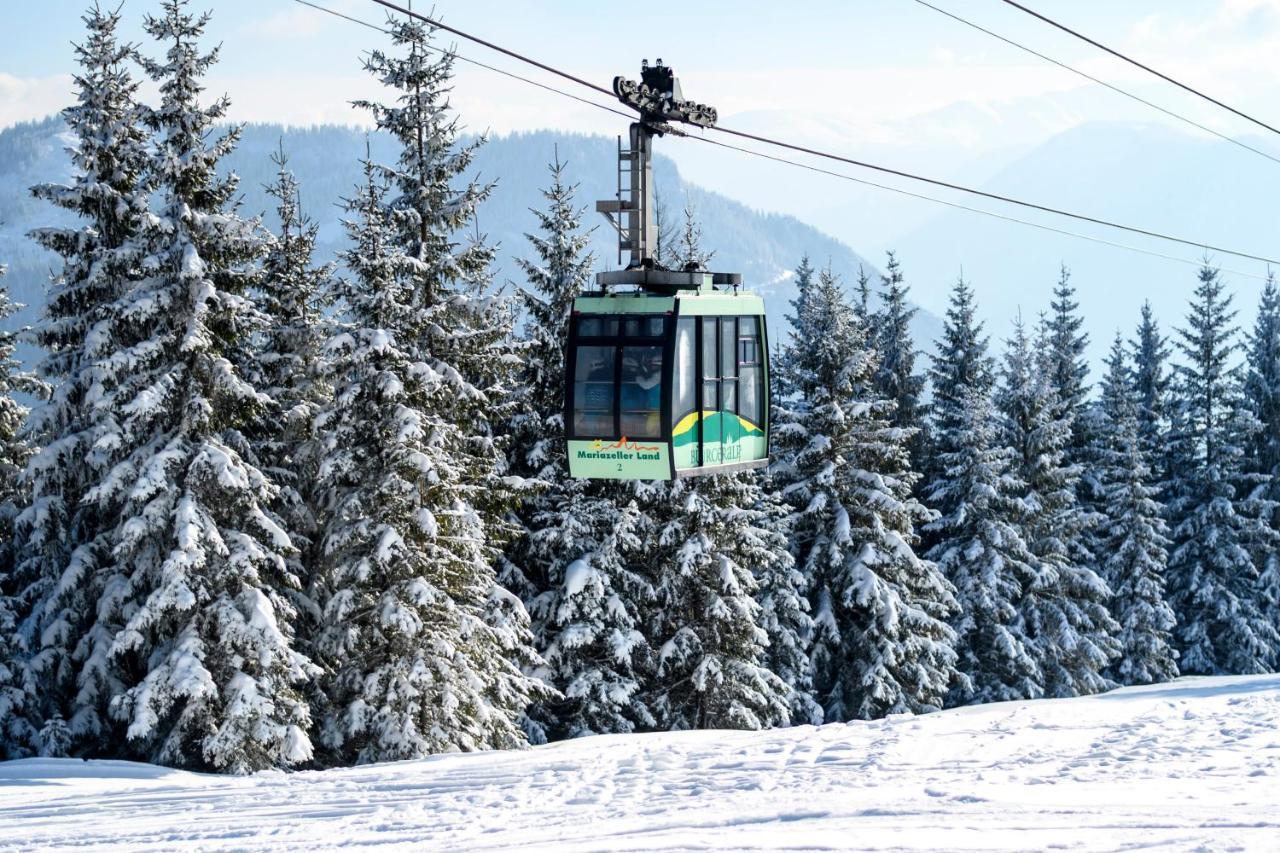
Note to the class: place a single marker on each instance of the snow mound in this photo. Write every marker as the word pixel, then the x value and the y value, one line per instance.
pixel 1189 764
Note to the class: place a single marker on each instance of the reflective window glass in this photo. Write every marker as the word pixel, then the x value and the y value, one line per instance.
pixel 640 392
pixel 729 395
pixel 593 392
pixel 597 327
pixel 644 327
pixel 709 369
pixel 728 342
pixel 710 395
pixel 752 390
pixel 684 392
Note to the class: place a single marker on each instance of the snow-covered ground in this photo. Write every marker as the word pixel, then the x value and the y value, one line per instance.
pixel 1192 764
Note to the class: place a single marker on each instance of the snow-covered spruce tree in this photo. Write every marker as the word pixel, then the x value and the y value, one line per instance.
pixel 571 563
pixel 1262 459
pixel 424 650
pixel 471 328
pixel 17 733
pixel 784 587
pixel 413 665
pixel 291 292
pixel 1213 577
pixel 205 655
pixel 706 544
pixel 896 378
pixel 782 590
pixel 862 304
pixel 881 643
pixel 977 539
pixel 1151 385
pixel 561 271
pixel 1065 609
pixel 709 539
pixel 70 586
pixel 1064 346
pixel 787 351
pixel 688 250
pixel 961 362
pixel 1133 543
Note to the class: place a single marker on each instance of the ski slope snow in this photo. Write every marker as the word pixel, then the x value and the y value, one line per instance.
pixel 1194 764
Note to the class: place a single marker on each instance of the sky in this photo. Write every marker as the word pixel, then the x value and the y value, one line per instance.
pixel 888 81
pixel 869 64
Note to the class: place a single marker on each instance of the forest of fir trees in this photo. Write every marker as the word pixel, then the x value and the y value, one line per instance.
pixel 261 509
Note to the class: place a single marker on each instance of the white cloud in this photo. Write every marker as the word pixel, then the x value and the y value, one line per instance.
pixel 27 98
pixel 301 23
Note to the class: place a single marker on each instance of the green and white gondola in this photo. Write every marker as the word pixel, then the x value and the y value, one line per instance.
pixel 668 377
pixel 667 385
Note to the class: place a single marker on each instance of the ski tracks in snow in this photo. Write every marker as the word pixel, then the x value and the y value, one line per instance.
pixel 1189 765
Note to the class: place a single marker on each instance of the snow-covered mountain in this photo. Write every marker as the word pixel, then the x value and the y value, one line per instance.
pixel 762 246
pixel 1150 175
pixel 1144 175
pixel 1186 765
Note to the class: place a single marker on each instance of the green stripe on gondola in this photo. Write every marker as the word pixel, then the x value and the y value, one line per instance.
pixel 727 425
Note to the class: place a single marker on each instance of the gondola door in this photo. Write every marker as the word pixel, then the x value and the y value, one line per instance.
pixel 709 436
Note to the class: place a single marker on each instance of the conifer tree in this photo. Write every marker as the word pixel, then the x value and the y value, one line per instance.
pixel 1065 610
pixel 17 734
pixel 205 654
pixel 881 642
pixel 1151 385
pixel 863 303
pixel 560 273
pixel 977 539
pixel 292 293
pixel 71 592
pixel 706 544
pixel 1068 371
pixel 425 651
pixel 896 378
pixel 689 250
pixel 1262 459
pixel 471 327
pixel 707 548
pixel 1213 577
pixel 572 562
pixel 15 449
pixel 664 238
pixel 962 361
pixel 413 664
pixel 1133 543
pixel 787 351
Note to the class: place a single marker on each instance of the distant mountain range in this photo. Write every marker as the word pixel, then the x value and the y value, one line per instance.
pixel 764 247
pixel 1144 175
pixel 1156 176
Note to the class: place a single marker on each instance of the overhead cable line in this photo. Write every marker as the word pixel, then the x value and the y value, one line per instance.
pixel 470 61
pixel 1051 22
pixel 1086 75
pixel 1208 247
pixel 514 55
pixel 958 206
pixel 920 196
pixel 1044 208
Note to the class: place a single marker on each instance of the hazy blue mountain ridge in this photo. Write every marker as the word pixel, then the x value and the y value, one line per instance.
pixel 1145 175
pixel 764 247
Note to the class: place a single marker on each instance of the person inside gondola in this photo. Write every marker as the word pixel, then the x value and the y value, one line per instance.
pixel 641 391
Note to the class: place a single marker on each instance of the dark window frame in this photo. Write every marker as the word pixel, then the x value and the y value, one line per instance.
pixel 619 340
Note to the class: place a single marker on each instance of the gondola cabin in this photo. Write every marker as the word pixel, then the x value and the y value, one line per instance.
pixel 662 386
pixel 670 377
